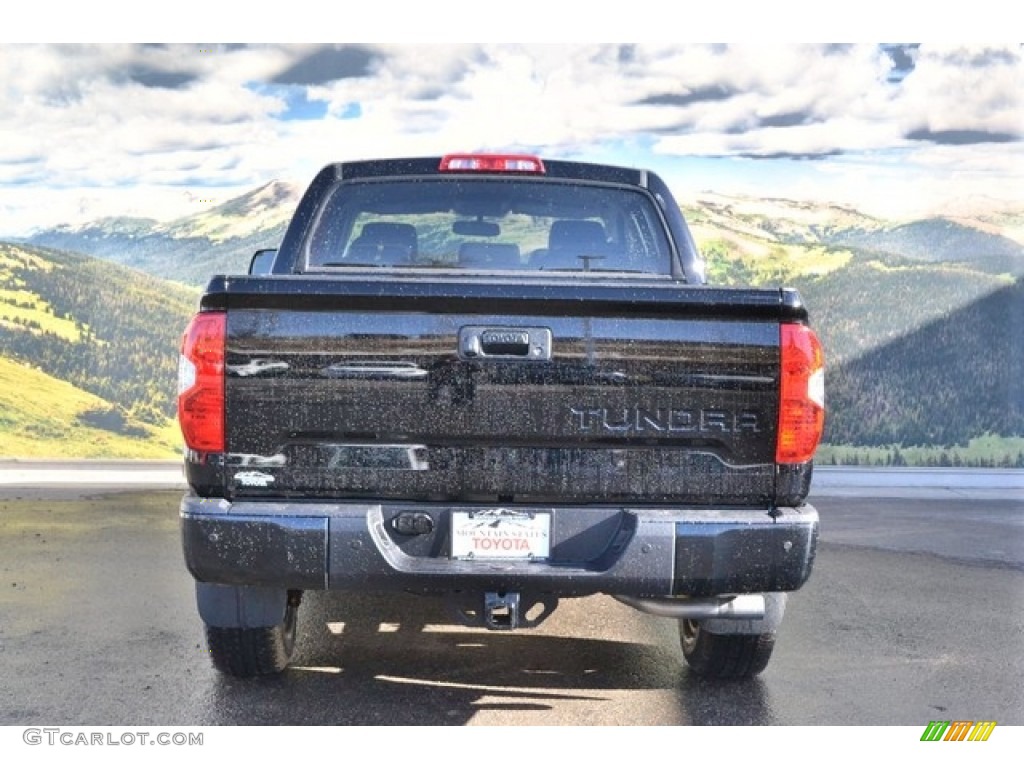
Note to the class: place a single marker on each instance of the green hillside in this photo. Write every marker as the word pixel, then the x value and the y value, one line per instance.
pixel 43 417
pixel 921 329
pixel 89 352
pixel 940 240
pixel 943 383
pixel 868 304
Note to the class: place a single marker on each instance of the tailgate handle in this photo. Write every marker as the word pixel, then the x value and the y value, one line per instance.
pixel 477 341
pixel 505 343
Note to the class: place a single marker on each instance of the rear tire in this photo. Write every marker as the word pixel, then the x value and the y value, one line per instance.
pixel 724 657
pixel 254 652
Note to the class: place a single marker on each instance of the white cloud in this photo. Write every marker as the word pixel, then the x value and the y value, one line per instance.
pixel 964 88
pixel 97 120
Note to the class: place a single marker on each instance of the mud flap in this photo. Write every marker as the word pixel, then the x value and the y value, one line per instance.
pixel 225 605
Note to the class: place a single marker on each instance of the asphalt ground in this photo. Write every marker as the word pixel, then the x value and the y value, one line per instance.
pixel 913 613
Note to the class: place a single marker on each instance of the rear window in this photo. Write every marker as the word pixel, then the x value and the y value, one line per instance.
pixel 489 224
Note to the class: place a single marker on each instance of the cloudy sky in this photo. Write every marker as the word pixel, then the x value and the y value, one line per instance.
pixel 163 130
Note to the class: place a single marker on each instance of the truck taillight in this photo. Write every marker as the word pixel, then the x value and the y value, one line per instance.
pixel 801 395
pixel 483 163
pixel 201 383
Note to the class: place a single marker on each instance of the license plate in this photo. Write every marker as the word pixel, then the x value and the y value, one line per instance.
pixel 501 534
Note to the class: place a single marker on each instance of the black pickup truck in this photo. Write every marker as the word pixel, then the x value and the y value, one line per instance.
pixel 500 380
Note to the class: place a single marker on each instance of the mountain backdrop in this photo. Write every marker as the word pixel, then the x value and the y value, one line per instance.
pixel 920 320
pixel 188 250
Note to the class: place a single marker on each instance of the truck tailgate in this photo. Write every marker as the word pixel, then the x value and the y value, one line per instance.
pixel 474 391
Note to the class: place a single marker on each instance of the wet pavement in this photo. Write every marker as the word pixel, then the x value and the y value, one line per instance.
pixel 914 612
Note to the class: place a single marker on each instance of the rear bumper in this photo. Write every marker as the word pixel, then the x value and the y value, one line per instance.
pixel 621 551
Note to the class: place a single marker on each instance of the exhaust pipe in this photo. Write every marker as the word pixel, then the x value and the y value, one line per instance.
pixel 733 607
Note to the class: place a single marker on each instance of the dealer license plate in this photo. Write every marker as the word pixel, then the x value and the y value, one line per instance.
pixel 501 534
